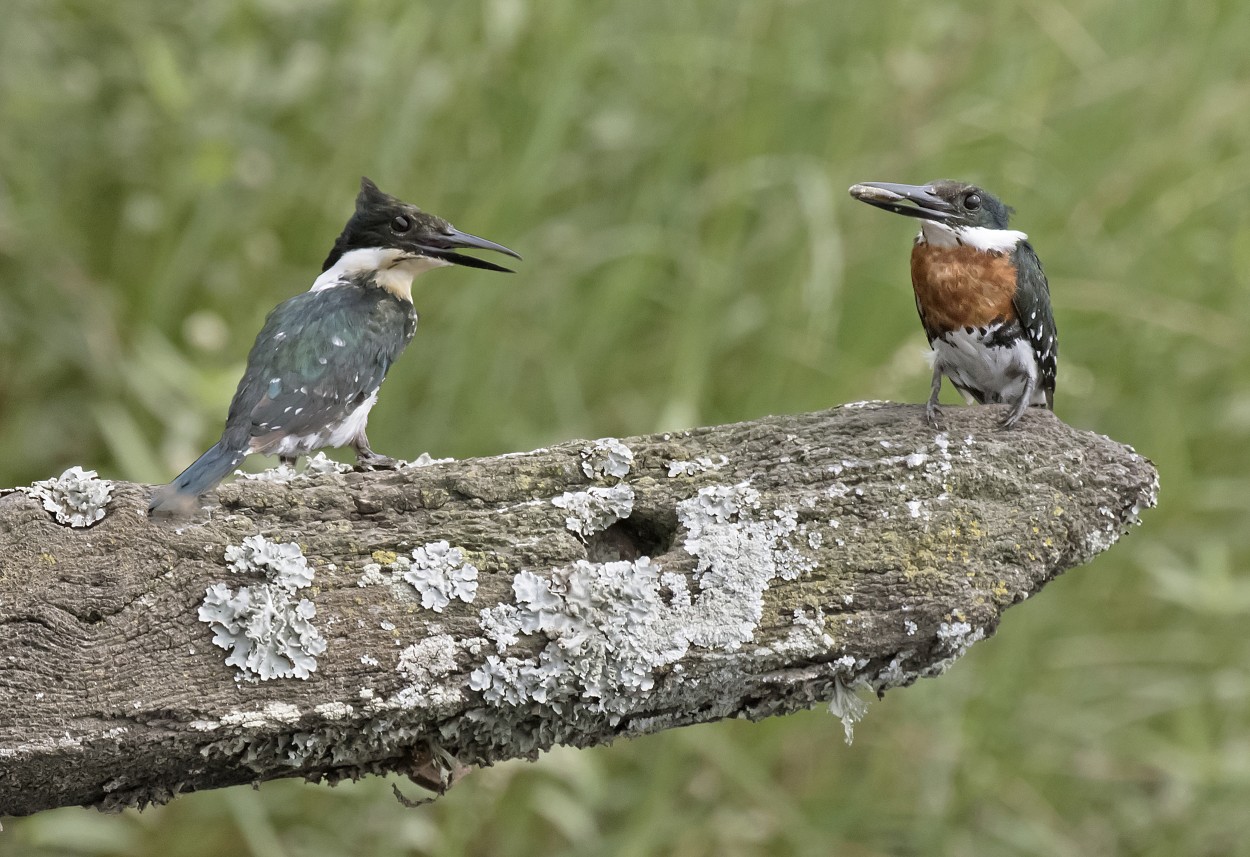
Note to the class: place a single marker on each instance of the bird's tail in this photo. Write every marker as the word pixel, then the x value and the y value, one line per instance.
pixel 210 468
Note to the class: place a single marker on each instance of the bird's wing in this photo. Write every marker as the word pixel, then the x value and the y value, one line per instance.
pixel 319 356
pixel 930 332
pixel 1037 320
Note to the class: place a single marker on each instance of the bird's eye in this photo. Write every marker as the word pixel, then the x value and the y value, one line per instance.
pixel 972 201
pixel 401 223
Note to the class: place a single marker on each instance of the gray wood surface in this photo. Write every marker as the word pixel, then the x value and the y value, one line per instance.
pixel 739 570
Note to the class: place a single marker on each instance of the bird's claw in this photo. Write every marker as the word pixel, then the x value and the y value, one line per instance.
pixel 1013 416
pixel 375 461
pixel 933 416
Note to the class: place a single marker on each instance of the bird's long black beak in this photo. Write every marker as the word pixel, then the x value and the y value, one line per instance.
pixel 442 246
pixel 907 199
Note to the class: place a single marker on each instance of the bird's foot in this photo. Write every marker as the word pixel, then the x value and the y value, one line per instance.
pixel 371 460
pixel 933 416
pixel 1013 416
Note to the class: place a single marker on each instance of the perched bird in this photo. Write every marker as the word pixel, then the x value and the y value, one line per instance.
pixel 983 299
pixel 315 369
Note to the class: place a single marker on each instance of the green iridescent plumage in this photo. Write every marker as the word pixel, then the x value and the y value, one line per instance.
pixel 318 358
pixel 313 374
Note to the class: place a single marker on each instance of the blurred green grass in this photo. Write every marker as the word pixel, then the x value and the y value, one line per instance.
pixel 675 176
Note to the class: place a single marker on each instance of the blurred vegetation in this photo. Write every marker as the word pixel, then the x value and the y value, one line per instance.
pixel 675 176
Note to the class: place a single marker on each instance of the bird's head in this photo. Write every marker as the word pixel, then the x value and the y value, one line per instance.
pixel 401 232
pixel 950 203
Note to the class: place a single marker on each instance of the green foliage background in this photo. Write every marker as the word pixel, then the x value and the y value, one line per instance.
pixel 675 176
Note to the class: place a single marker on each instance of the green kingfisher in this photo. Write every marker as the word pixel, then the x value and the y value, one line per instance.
pixel 982 297
pixel 313 373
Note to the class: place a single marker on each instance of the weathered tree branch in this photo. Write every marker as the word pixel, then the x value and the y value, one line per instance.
pixel 748 569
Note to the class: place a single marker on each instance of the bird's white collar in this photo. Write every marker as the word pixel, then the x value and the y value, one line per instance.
pixel 392 269
pixel 980 237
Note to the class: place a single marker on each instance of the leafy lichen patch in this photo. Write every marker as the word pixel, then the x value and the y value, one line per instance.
pixel 371 575
pixel 321 464
pixel 439 572
pixel 268 632
pixel 77 497
pixel 283 473
pixel 607 457
pixel 280 475
pixel 595 509
pixel 885 586
pixel 425 460
pixel 958 636
pixel 607 627
pixel 610 632
pixel 696 465
pixel 283 563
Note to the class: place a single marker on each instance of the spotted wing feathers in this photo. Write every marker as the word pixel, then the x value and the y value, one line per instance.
pixel 319 356
pixel 1037 320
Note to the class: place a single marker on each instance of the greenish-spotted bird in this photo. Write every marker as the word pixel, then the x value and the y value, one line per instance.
pixel 314 372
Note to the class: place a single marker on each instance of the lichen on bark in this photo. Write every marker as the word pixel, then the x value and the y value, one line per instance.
pixel 793 561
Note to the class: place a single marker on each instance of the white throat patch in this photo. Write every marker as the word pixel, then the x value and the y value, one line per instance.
pixel 980 237
pixel 393 270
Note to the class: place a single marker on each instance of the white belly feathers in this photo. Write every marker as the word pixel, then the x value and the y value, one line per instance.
pixel 998 372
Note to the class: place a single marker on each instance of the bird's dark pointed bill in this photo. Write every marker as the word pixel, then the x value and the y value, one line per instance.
pixel 907 199
pixel 459 239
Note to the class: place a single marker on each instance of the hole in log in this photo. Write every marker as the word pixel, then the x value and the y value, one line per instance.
pixel 633 537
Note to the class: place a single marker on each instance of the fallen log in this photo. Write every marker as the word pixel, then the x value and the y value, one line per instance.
pixel 330 624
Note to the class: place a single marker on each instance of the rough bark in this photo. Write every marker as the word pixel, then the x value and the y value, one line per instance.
pixel 781 563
